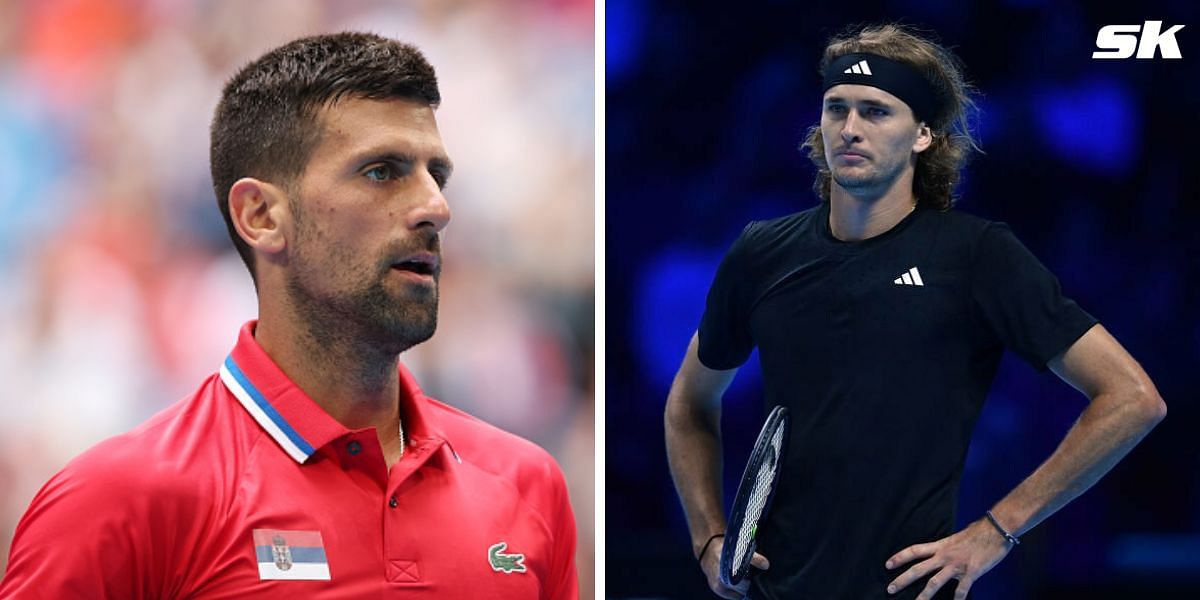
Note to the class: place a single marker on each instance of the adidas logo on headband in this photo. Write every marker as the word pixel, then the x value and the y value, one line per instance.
pixel 861 68
pixel 903 81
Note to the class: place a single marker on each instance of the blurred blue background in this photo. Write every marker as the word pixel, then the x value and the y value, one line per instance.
pixel 1092 163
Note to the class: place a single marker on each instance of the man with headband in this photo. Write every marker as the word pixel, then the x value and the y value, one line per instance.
pixel 880 317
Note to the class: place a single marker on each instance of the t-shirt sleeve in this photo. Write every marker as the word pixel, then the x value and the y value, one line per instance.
pixel 75 541
pixel 564 583
pixel 108 526
pixel 1021 301
pixel 725 339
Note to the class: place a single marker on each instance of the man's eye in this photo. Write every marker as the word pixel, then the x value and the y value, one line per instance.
pixel 876 112
pixel 380 173
pixel 835 108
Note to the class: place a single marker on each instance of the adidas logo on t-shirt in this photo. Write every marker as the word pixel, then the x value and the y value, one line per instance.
pixel 912 277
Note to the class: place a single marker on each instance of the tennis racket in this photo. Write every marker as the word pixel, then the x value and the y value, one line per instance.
pixel 753 498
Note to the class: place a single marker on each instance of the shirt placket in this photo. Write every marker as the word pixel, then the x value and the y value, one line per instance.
pixel 403 560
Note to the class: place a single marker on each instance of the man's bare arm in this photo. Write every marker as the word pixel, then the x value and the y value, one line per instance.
pixel 1124 407
pixel 693 427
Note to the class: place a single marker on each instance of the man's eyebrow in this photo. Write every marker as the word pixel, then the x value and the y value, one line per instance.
pixel 440 163
pixel 443 164
pixel 867 101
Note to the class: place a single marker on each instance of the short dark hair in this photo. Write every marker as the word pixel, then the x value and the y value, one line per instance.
pixel 265 125
pixel 939 167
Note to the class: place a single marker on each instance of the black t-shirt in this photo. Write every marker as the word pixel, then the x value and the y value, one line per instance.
pixel 883 350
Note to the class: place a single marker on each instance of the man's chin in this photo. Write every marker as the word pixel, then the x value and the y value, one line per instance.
pixel 402 330
pixel 852 179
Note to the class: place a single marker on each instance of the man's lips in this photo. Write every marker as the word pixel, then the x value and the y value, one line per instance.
pixel 850 155
pixel 426 264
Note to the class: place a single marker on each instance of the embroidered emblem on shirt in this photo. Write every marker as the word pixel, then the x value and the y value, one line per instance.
pixel 294 555
pixel 912 277
pixel 508 563
pixel 281 553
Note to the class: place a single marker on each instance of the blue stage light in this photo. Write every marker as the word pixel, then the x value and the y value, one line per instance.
pixel 671 293
pixel 623 25
pixel 1094 124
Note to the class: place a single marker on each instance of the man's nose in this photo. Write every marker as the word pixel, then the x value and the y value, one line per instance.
pixel 850 128
pixel 431 210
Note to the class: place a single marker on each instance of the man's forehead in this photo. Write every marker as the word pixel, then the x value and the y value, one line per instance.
pixel 358 124
pixel 852 92
pixel 395 112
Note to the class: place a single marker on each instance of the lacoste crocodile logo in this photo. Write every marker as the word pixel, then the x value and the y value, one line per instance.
pixel 508 563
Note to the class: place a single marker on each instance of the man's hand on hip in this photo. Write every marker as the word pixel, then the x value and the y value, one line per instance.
pixel 964 556
pixel 710 563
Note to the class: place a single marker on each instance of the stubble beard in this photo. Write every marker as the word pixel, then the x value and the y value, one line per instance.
pixel 876 177
pixel 368 316
pixel 852 182
pixel 862 180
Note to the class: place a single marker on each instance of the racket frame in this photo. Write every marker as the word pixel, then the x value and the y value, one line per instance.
pixel 731 574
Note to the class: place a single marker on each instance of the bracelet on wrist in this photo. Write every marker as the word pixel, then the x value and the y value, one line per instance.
pixel 700 557
pixel 1004 532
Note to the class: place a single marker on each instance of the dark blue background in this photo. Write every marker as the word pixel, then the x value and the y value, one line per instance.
pixel 1092 162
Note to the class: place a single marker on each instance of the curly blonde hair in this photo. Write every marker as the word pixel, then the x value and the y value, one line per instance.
pixel 939 167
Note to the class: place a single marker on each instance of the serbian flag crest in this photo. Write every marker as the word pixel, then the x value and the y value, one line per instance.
pixel 295 555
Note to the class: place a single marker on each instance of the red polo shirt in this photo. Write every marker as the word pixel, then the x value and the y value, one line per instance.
pixel 248 488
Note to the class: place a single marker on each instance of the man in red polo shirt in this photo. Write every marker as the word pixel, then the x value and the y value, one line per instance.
pixel 312 465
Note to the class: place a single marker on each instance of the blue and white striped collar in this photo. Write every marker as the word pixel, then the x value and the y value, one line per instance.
pixel 286 413
pixel 267 416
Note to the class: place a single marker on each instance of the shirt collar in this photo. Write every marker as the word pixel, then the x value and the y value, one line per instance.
pixel 297 423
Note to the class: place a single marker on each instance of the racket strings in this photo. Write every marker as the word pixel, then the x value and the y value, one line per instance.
pixel 760 493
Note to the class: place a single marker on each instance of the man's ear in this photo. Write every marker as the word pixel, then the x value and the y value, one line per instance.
pixel 924 138
pixel 259 210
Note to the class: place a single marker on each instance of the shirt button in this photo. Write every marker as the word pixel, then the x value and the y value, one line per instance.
pixel 393 503
pixel 354 448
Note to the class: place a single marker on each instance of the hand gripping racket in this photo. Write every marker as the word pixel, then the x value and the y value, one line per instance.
pixel 753 498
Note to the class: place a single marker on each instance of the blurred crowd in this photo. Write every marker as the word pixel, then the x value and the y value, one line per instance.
pixel 120 290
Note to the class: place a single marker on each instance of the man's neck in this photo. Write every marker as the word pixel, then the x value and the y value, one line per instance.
pixel 357 385
pixel 856 216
